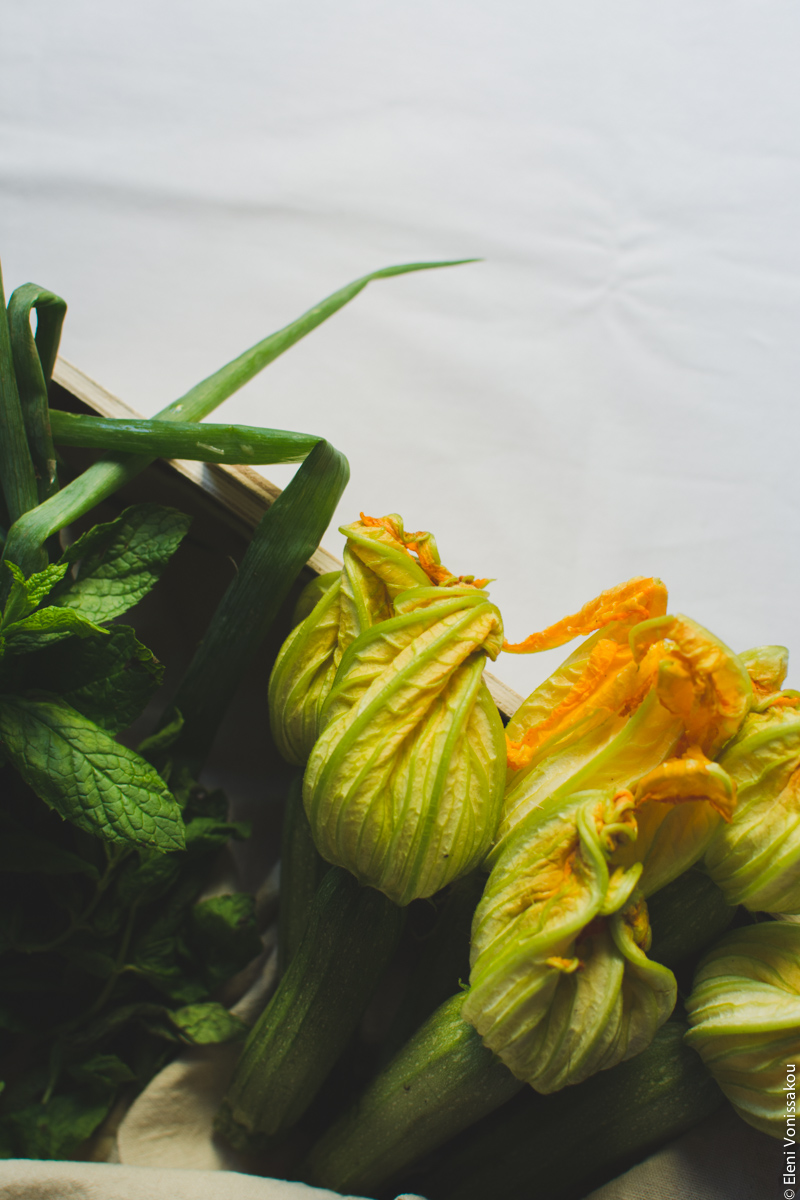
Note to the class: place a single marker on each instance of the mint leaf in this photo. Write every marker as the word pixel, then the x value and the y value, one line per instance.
pixel 105 1071
pixel 203 833
pixel 147 879
pixel 27 594
pixel 161 960
pixel 46 626
pixel 56 1129
pixel 203 1024
pixel 225 935
pixel 109 680
pixel 80 771
pixel 118 562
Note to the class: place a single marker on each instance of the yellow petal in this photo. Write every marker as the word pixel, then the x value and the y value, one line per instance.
pixel 640 598
pixel 690 778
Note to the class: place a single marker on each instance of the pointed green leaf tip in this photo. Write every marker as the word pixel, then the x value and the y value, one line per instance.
pixel 403 785
pixel 744 1012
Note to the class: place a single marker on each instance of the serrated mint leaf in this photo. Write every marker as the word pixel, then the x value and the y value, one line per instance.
pixel 204 1024
pixel 42 583
pixel 17 605
pixel 146 878
pixel 110 680
pixel 26 594
pixel 204 833
pixel 118 562
pixel 46 626
pixel 56 1129
pixel 87 777
pixel 155 745
pixel 225 935
pixel 22 854
pixel 162 957
pixel 103 1071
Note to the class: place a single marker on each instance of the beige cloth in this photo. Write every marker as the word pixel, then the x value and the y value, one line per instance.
pixel 23 1179
pixel 720 1159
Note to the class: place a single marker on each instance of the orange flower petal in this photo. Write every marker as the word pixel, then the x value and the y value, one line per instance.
pixel 638 599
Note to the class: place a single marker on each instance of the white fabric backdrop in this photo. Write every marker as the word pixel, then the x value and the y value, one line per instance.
pixel 613 391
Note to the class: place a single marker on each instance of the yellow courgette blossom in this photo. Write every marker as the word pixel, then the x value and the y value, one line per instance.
pixel 379 564
pixel 755 859
pixel 637 693
pixel 612 793
pixel 744 1013
pixel 404 784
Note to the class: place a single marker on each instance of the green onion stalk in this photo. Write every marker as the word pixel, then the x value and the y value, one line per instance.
pixel 17 472
pixel 612 794
pixel 284 540
pixel 33 525
pixel 381 686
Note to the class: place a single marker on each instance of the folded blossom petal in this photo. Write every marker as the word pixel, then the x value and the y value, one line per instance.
pixel 679 808
pixel 755 859
pixel 380 562
pixel 617 718
pixel 767 667
pixel 698 678
pixel 404 784
pixel 560 985
pixel 744 1013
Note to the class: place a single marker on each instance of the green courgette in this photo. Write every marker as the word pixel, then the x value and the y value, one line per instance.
pixel 349 939
pixel 442 1081
pixel 559 1147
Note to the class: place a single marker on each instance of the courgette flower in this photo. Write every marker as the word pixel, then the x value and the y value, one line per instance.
pixel 755 859
pixel 634 695
pixel 744 1013
pixel 561 986
pixel 612 794
pixel 332 611
pixel 404 784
